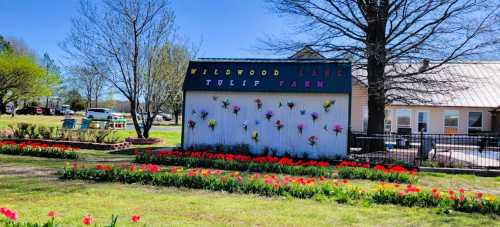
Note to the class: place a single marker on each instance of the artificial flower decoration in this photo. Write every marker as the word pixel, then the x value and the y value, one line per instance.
pixel 338 128
pixel 290 104
pixel 280 105
pixel 257 122
pixel 312 140
pixel 300 127
pixel 302 112
pixel 193 111
pixel 215 98
pixel 279 125
pixel 226 103
pixel 259 103
pixel 236 109
pixel 203 114
pixel 325 127
pixel 255 136
pixel 314 116
pixel 269 115
pixel 191 124
pixel 244 125
pixel 327 104
pixel 212 123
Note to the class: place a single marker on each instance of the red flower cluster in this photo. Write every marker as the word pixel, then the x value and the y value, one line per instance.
pixel 240 158
pixel 32 145
pixel 145 167
pixel 385 169
pixel 8 213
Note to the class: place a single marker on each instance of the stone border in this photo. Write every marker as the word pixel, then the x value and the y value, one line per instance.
pixel 478 172
pixel 81 145
pixel 143 141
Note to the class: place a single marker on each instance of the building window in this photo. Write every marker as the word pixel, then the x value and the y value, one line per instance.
pixel 423 121
pixel 475 122
pixel 388 121
pixel 451 121
pixel 365 118
pixel 404 121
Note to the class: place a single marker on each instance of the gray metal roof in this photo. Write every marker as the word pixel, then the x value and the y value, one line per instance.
pixel 482 80
pixel 272 60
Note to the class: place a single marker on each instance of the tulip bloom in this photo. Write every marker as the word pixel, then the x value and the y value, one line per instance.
pixel 136 218
pixel 87 220
pixel 52 214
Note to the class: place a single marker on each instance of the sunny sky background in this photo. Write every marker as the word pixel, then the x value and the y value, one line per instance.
pixel 224 28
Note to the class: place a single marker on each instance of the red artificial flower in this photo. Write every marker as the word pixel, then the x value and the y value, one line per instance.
pixel 136 218
pixel 51 214
pixel 87 219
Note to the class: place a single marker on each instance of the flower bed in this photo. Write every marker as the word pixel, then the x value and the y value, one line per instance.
pixel 235 162
pixel 38 150
pixel 299 187
pixel 77 144
pixel 395 173
pixel 205 159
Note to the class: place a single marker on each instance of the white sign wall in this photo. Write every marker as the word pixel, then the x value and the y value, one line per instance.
pixel 330 128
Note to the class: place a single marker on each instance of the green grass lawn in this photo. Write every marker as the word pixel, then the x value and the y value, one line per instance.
pixel 30 186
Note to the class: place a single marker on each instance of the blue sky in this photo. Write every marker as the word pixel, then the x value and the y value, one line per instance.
pixel 225 28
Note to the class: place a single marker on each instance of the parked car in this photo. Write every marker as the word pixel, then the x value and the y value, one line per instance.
pixel 30 110
pixel 48 111
pixel 102 114
pixel 166 116
pixel 64 109
pixel 158 117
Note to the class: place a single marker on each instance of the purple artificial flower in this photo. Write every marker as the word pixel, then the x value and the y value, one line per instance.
pixel 236 109
pixel 269 114
pixel 300 127
pixel 338 128
pixel 314 116
pixel 203 114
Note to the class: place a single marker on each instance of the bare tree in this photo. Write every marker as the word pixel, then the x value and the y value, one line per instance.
pixel 128 36
pixel 174 68
pixel 390 39
pixel 89 80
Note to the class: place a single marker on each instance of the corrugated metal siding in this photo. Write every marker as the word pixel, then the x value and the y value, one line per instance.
pixel 481 78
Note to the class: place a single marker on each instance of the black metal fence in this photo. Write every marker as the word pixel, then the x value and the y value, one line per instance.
pixel 438 150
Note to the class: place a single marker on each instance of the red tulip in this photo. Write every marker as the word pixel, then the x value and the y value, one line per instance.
pixel 479 195
pixel 87 219
pixel 52 214
pixel 136 218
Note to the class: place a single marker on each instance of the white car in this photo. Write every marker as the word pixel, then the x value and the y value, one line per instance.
pixel 102 114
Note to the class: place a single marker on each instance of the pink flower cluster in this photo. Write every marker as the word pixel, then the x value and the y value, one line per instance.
pixel 8 213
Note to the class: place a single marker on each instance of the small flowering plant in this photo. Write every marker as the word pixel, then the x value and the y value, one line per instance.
pixel 327 104
pixel 255 136
pixel 203 114
pixel 300 128
pixel 338 128
pixel 312 140
pixel 314 116
pixel 244 125
pixel 191 124
pixel 236 109
pixel 290 104
pixel 302 112
pixel 259 103
pixel 269 114
pixel 279 125
pixel 211 124
pixel 226 103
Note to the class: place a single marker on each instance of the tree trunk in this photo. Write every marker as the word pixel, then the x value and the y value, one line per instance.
pixel 176 116
pixel 376 66
pixel 133 114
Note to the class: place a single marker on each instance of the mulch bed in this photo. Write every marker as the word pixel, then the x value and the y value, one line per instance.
pixel 144 141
